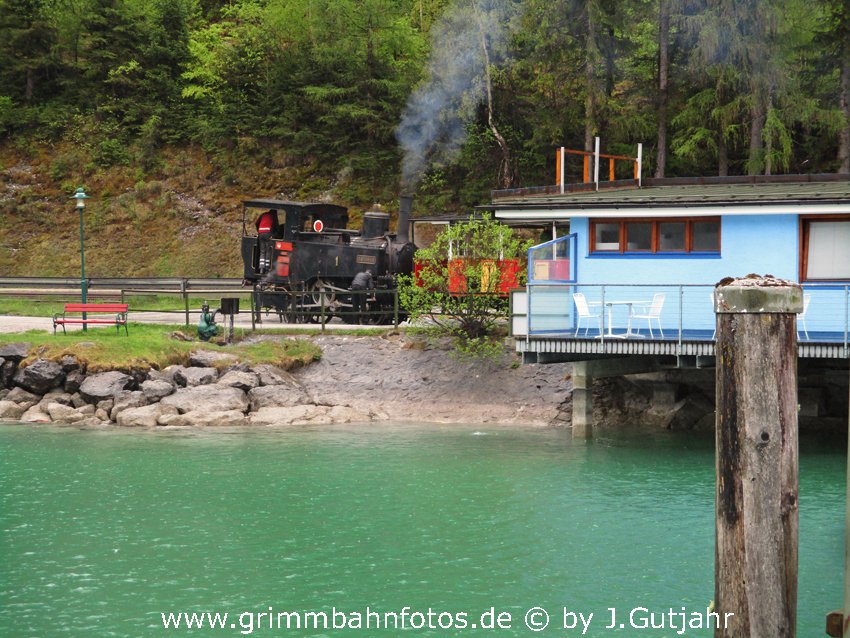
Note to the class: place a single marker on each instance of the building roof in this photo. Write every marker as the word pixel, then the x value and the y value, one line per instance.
pixel 455 219
pixel 781 194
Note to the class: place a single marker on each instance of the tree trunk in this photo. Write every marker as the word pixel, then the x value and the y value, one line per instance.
pixel 844 101
pixel 506 177
pixel 722 155
pixel 755 161
pixel 722 147
pixel 610 62
pixel 663 70
pixel 768 147
pixel 29 89
pixel 591 56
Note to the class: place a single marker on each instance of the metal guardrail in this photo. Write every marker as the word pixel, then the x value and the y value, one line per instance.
pixel 121 286
pixel 126 283
pixel 319 312
pixel 39 282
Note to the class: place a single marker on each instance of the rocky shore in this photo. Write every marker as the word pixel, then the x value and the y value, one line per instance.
pixel 358 379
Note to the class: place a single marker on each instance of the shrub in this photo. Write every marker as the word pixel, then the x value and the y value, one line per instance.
pixel 111 152
pixel 457 288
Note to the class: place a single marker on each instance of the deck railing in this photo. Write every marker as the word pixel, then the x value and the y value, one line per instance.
pixel 681 312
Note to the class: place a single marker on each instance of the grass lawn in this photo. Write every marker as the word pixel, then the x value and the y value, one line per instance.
pixel 151 345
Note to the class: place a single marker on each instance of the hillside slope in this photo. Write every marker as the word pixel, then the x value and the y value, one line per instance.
pixel 181 218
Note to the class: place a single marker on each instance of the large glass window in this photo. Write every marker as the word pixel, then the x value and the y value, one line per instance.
pixel 706 236
pixel 671 236
pixel 607 236
pixel 826 249
pixel 697 235
pixel 638 236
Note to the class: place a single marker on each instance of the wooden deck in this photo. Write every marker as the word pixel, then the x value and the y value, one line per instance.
pixel 692 344
pixel 688 321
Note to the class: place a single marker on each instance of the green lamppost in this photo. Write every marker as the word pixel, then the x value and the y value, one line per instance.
pixel 81 198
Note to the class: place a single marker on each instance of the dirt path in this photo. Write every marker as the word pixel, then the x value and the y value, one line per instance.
pixel 10 323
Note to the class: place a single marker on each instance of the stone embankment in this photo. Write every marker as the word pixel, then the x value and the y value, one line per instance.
pixel 359 379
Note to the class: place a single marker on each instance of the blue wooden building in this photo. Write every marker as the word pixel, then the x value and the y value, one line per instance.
pixel 636 273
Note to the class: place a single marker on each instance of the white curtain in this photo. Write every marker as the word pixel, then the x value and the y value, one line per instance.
pixel 829 250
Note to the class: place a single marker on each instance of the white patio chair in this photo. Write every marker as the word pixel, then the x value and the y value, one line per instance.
pixel 583 312
pixel 713 334
pixel 801 318
pixel 650 312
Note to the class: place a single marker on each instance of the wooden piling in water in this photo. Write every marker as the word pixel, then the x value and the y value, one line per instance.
pixel 755 571
pixel 583 400
pixel 838 621
pixel 843 618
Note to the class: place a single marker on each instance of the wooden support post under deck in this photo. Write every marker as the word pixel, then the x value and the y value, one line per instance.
pixel 582 400
pixel 584 372
pixel 755 572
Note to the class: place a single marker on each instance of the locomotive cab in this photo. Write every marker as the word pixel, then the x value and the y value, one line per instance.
pixel 266 255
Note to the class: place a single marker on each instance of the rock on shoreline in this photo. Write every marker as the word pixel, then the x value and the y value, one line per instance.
pixel 358 379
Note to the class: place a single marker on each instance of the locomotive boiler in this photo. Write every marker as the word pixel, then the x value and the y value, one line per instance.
pixel 300 258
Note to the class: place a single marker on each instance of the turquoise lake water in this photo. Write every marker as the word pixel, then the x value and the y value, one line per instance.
pixel 103 531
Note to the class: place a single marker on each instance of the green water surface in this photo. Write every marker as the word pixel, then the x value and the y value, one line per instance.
pixel 101 532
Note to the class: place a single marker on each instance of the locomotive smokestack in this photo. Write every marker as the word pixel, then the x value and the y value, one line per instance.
pixel 405 204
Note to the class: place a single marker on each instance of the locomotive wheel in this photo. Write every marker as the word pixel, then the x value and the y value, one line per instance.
pixel 302 303
pixel 317 287
pixel 289 314
pixel 381 310
pixel 315 299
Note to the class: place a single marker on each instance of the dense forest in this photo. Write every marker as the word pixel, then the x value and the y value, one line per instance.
pixel 452 97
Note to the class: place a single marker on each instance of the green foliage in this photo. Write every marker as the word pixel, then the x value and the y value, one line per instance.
pixel 7 113
pixel 64 165
pixel 457 288
pixel 110 152
pixel 753 85
pixel 777 141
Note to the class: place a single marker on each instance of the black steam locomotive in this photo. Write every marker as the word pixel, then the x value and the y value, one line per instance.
pixel 302 259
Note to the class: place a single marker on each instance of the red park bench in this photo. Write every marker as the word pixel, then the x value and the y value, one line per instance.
pixel 119 309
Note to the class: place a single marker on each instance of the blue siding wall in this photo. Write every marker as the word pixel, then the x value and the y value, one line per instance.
pixel 752 243
pixel 763 244
pixel 755 243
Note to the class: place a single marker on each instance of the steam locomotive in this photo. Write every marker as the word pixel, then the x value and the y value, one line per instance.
pixel 302 259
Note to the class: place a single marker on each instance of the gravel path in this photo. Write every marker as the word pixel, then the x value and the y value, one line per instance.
pixel 10 323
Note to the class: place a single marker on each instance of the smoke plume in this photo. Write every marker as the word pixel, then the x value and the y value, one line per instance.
pixel 433 124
